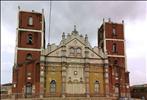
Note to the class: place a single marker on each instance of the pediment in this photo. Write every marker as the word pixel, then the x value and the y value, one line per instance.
pixel 75 44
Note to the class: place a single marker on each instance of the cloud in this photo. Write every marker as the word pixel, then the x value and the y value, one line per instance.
pixel 88 18
pixel 137 70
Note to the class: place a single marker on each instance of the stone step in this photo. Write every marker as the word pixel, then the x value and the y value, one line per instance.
pixel 72 98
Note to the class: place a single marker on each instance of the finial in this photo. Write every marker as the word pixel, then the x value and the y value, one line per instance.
pixel 86 37
pixel 81 35
pixel 63 35
pixel 74 27
pixel 123 21
pixel 103 19
pixel 18 7
pixel 75 31
pixel 109 20
pixel 42 10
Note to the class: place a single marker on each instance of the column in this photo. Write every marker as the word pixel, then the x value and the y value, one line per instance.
pixel 106 77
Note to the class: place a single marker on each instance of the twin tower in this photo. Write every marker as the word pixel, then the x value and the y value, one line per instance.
pixel 30 42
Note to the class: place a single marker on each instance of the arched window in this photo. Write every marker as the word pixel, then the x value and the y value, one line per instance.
pixel 30 39
pixel 114 48
pixel 53 86
pixel 30 21
pixel 114 31
pixel 96 86
pixel 29 56
pixel 79 50
pixel 28 88
pixel 117 89
pixel 72 51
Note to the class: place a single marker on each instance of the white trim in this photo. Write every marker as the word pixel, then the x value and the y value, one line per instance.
pixel 31 30
pixel 33 11
pixel 29 49
pixel 115 22
pixel 125 51
pixel 116 56
pixel 42 35
pixel 104 35
pixel 115 39
pixel 15 56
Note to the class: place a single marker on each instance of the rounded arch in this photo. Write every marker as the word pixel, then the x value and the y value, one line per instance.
pixel 79 50
pixel 96 86
pixel 53 86
pixel 72 50
pixel 28 88
pixel 29 56
pixel 30 39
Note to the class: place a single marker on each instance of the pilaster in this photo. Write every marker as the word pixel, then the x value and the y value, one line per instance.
pixel 42 75
pixel 87 79
pixel 106 77
pixel 63 79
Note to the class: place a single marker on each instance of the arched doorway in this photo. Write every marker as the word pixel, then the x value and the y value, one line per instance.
pixel 53 86
pixel 28 89
pixel 96 87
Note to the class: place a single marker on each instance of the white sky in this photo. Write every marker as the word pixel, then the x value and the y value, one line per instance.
pixel 88 18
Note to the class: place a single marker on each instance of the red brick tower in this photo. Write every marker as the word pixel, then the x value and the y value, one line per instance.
pixel 111 40
pixel 30 40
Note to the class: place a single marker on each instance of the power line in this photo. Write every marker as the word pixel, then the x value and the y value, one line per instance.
pixel 50 21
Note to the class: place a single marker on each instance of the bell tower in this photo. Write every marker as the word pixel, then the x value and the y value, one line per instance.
pixel 111 41
pixel 30 40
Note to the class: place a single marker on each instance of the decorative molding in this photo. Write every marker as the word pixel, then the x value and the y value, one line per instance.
pixel 29 49
pixel 30 30
pixel 111 39
pixel 116 56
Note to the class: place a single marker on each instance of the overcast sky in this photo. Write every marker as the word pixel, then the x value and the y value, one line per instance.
pixel 88 17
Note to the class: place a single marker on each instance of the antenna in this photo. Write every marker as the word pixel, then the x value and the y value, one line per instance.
pixel 50 21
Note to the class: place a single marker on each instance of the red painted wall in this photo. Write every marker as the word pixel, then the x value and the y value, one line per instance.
pixel 28 66
pixel 107 29
pixel 23 37
pixel 23 20
pixel 119 47
pixel 117 27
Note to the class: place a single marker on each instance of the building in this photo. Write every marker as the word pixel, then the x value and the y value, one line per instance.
pixel 139 91
pixel 30 42
pixel 111 41
pixel 73 68
pixel 6 90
